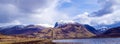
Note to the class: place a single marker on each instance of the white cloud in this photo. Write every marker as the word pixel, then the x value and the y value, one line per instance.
pixel 49 15
pixel 107 19
pixel 46 13
pixel 32 12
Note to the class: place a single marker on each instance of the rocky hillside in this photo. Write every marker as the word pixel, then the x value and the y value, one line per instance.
pixel 71 30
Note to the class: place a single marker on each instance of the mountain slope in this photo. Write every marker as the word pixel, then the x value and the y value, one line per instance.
pixel 71 30
pixel 91 29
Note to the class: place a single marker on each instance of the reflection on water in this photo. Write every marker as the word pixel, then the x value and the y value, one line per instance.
pixel 90 41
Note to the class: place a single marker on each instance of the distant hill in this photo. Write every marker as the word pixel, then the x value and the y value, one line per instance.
pixel 34 31
pixel 20 29
pixel 112 32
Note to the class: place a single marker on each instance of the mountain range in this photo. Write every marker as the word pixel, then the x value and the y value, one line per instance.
pixel 62 30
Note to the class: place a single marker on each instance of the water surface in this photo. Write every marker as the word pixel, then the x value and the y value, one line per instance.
pixel 90 41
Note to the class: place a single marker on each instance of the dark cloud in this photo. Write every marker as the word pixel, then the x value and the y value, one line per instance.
pixel 11 10
pixel 29 5
pixel 26 5
pixel 107 8
pixel 6 1
pixel 5 14
pixel 4 18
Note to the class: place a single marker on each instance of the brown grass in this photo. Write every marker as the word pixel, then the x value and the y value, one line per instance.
pixel 18 40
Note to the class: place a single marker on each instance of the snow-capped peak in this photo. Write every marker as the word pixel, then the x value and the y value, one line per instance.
pixel 103 29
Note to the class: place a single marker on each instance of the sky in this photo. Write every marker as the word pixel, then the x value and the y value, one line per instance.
pixel 47 12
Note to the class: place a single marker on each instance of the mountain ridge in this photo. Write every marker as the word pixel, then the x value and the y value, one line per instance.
pixel 59 31
pixel 64 31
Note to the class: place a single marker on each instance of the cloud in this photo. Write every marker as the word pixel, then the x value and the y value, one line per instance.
pixel 49 15
pixel 47 12
pixel 30 5
pixel 30 12
pixel 15 22
pixel 108 18
pixel 107 8
pixel 7 12
pixel 20 10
